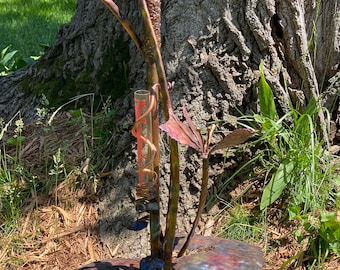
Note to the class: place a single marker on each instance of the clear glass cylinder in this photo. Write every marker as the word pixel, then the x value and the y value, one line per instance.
pixel 144 135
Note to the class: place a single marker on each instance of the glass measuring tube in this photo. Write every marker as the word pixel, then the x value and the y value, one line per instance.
pixel 143 131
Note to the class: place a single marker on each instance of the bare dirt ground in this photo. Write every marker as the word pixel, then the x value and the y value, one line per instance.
pixel 58 230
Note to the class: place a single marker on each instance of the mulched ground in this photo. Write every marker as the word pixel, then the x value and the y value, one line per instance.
pixel 59 230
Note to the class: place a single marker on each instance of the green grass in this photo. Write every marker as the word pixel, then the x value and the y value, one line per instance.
pixel 26 25
pixel 241 224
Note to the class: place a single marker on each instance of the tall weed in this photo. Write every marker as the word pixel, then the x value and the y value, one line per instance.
pixel 293 153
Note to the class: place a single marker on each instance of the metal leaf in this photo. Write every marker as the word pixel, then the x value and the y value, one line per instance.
pixel 234 138
pixel 219 254
pixel 182 133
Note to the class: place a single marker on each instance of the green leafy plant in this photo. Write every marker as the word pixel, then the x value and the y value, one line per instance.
pixel 294 153
pixel 10 62
pixel 322 233
pixel 7 60
pixel 266 97
pixel 58 169
pixel 12 187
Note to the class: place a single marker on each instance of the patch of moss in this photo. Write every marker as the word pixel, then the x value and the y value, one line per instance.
pixel 114 75
pixel 59 86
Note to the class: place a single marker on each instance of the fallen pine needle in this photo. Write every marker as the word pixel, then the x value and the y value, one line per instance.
pixel 60 235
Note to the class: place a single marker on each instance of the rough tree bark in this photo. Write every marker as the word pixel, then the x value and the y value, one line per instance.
pixel 212 50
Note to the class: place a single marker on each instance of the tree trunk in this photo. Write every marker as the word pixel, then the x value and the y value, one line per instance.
pixel 211 50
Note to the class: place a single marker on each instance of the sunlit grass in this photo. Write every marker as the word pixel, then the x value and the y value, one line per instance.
pixel 26 25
